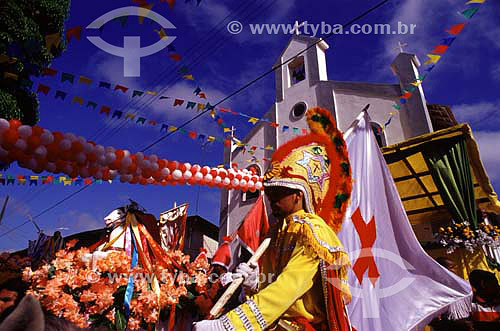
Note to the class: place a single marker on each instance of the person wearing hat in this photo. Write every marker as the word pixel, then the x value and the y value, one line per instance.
pixel 308 186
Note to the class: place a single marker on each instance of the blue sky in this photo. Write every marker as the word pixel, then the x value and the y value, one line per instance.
pixel 467 78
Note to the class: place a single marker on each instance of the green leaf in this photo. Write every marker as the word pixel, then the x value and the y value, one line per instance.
pixel 120 321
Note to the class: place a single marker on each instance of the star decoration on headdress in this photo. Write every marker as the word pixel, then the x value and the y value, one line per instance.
pixel 315 165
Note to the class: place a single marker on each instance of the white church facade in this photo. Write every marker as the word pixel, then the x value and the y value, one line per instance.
pixel 302 84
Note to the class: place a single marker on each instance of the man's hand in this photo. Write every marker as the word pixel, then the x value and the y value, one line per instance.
pixel 206 325
pixel 250 274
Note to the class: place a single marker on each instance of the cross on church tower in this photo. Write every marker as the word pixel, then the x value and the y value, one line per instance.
pixel 296 27
pixel 400 46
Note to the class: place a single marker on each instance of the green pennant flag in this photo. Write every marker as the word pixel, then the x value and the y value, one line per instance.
pixel 182 131
pixel 412 89
pixel 183 70
pixel 470 12
pixel 137 93
pixel 398 107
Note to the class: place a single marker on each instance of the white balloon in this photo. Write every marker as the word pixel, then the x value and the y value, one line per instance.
pixel 155 166
pixel 110 157
pixel 101 159
pixel 236 182
pixel 150 180
pixel 187 165
pixel 217 180
pixel 65 145
pixel 139 156
pixel 226 181
pixel 20 144
pixel 165 172
pixel 114 173
pixel 126 161
pixel 208 177
pixel 177 174
pixel 126 153
pixel 99 149
pixel 32 164
pixel 251 184
pixel 109 149
pixel 198 176
pixel 50 167
pixel 41 152
pixel 46 138
pixel 88 147
pixel 195 168
pixel 4 125
pixel 3 152
pixel 258 185
pixel 71 137
pixel 243 183
pixel 24 131
pixel 153 158
pixel 188 174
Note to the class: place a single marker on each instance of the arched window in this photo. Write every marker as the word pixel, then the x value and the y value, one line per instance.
pixel 379 134
pixel 297 70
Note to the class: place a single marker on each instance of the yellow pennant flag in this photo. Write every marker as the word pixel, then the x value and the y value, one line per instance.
pixel 151 93
pixel 417 83
pixel 433 59
pixel 210 139
pixel 10 75
pixel 201 106
pixel 188 77
pixel 212 113
pixel 475 1
pixel 161 33
pixel 253 120
pixel 172 129
pixel 52 40
pixel 227 130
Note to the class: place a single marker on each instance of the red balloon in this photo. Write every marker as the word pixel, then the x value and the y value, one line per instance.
pixel 76 147
pixel 60 165
pixel 33 143
pixel 213 172
pixel 42 163
pixel 132 168
pixel 66 155
pixel 115 165
pixel 36 131
pixel 119 154
pixel 91 157
pixel 14 124
pixel 57 137
pixel 93 171
pixel 9 138
pixel 170 178
pixel 157 175
pixel 238 176
pixel 182 168
pixel 143 181
pixel 231 176
pixel 73 173
pixel 191 181
pixel 147 173
pixel 162 164
pixel 134 180
pixel 204 171
pixel 172 165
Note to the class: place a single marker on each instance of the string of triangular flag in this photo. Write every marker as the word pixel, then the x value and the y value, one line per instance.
pixel 137 119
pixel 6 179
pixel 439 51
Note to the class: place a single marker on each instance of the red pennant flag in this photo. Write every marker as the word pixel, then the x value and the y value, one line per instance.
pixel 274 125
pixel 43 88
pixel 440 49
pixel 48 72
pixel 406 96
pixel 74 33
pixel 192 135
pixel 456 29
pixel 227 143
pixel 171 3
pixel 175 57
pixel 178 102
pixel 222 110
pixel 105 110
pixel 255 226
pixel 121 88
pixel 222 256
pixel 202 95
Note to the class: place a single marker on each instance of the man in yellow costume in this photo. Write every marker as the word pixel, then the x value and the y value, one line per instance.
pixel 308 187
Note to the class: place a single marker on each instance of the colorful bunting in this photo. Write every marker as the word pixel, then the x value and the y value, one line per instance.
pixel 475 1
pixel 117 114
pixel 441 49
pixel 60 94
pixel 175 57
pixel 448 41
pixel 137 93
pixel 43 89
pixel 456 29
pixel 178 102
pixel 433 59
pixel 188 77
pixel 190 105
pixel 65 77
pixel 49 180
pixel 470 12
pixel 197 91
pixel 91 104
pixel 202 95
pixel 105 85
pixel 52 40
pixel 105 110
pixel 85 81
pixel 48 72
pixel 78 100
pixel 121 88
pixel 73 33
pixel 253 120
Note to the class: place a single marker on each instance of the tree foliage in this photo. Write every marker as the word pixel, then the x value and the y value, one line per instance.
pixel 23 27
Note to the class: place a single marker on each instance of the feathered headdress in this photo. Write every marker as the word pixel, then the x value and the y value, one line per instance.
pixel 318 165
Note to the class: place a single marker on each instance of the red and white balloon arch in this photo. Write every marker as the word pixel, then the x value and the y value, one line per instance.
pixel 40 150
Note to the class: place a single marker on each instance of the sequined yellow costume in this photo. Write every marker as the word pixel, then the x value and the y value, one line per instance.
pixel 309 289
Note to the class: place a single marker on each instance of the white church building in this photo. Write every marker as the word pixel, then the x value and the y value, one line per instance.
pixel 303 83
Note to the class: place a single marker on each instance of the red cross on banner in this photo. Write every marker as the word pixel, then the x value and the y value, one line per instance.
pixel 367 235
